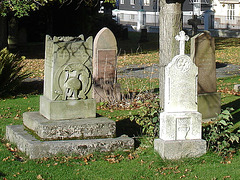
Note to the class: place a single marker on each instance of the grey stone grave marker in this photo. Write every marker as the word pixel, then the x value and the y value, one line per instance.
pixel 203 55
pixel 180 122
pixel 67 109
pixel 105 86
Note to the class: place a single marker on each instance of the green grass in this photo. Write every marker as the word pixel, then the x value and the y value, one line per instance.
pixel 143 162
pixel 132 52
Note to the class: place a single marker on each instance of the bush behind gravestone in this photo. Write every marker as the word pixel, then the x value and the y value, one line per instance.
pixel 222 136
pixel 11 75
pixel 148 117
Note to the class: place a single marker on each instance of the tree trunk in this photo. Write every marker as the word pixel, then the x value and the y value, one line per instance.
pixel 3 32
pixel 170 18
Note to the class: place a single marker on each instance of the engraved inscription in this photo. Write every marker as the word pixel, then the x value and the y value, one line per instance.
pixel 183 127
pixel 106 64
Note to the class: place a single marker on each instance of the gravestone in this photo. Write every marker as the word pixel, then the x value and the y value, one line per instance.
pixel 203 55
pixel 180 122
pixel 194 22
pixel 67 109
pixel 105 86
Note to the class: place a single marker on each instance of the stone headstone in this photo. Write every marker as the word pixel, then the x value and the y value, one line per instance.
pixel 180 123
pixel 203 55
pixel 180 86
pixel 68 76
pixel 104 66
pixel 67 109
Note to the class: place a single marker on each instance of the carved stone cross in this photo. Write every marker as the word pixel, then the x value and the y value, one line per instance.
pixel 182 38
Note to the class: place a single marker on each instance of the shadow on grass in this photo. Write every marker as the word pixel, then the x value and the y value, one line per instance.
pixel 220 65
pixel 31 86
pixel 2 174
pixel 236 106
pixel 223 42
pixel 128 127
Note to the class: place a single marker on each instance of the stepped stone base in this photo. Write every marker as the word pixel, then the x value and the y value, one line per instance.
pixel 89 128
pixel 38 149
pixel 177 149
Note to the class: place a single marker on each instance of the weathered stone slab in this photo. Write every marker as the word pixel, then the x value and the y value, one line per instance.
pixel 180 85
pixel 209 105
pixel 178 149
pixel 105 86
pixel 88 128
pixel 104 56
pixel 38 149
pixel 203 55
pixel 70 109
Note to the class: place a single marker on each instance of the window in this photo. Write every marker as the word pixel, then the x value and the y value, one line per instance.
pixel 132 2
pixel 121 1
pixel 121 16
pixel 146 2
pixel 132 16
pixel 231 12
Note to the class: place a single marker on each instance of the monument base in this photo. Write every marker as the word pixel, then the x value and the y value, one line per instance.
pixel 88 128
pixel 178 149
pixel 209 105
pixel 70 109
pixel 37 149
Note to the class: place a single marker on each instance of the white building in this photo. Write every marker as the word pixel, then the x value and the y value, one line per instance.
pixel 226 14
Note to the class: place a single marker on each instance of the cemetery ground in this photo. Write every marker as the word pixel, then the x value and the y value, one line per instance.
pixel 141 163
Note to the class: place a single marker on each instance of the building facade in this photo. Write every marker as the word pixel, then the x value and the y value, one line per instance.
pixel 222 14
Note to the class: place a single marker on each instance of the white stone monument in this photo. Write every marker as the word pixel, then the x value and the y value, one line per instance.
pixel 180 122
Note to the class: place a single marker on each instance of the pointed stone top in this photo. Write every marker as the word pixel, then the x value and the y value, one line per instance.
pixel 182 38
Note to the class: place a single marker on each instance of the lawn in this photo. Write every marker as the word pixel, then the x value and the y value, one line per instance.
pixel 141 163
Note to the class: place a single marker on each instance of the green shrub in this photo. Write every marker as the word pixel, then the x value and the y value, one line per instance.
pixel 222 136
pixel 11 75
pixel 148 117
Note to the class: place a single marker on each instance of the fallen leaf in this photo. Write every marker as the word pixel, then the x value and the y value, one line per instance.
pixel 39 177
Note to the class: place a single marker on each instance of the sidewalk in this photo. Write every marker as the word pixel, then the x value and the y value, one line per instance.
pixel 143 71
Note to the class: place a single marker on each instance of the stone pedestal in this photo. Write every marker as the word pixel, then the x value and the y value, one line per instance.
pixel 73 109
pixel 180 148
pixel 180 125
pixel 180 135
